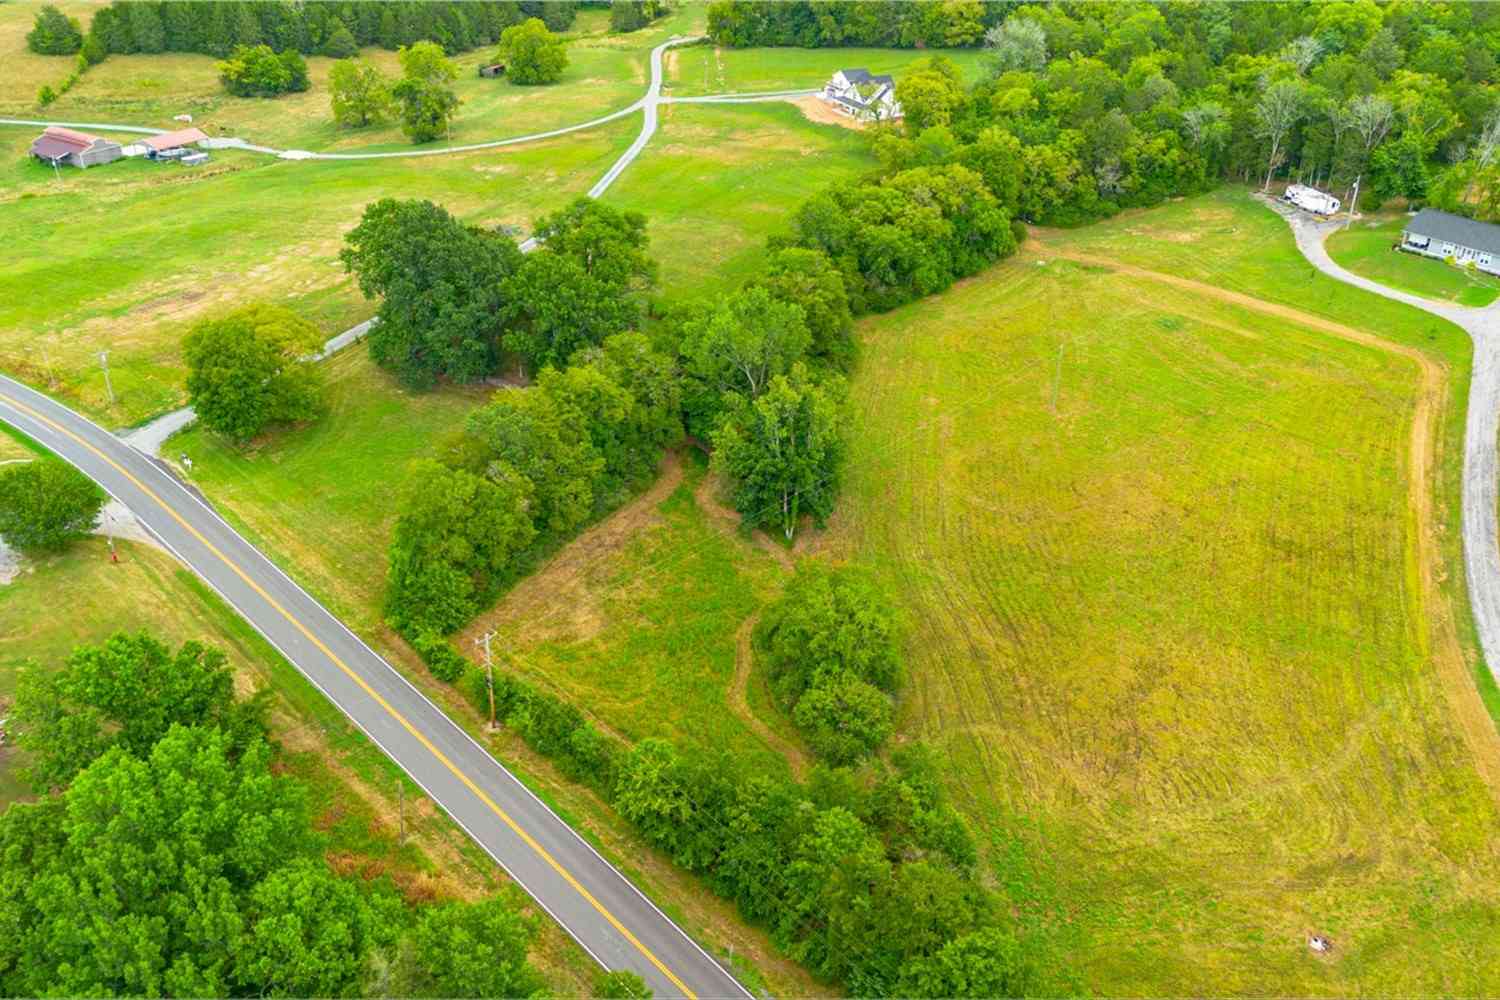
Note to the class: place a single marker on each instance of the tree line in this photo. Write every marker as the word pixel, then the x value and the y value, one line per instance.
pixel 1083 109
pixel 867 876
pixel 169 854
pixel 218 27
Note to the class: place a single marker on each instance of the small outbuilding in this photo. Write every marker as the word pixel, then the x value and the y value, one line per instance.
pixel 1432 233
pixel 58 145
pixel 492 70
pixel 161 145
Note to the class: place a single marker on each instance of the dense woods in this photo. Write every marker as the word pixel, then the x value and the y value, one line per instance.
pixel 181 860
pixel 1084 109
pixel 216 27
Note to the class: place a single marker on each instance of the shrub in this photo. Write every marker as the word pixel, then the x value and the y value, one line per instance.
pixel 257 71
pixel 445 662
pixel 46 95
pixel 844 719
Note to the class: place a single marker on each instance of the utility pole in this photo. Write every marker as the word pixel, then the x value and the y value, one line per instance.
pixel 108 385
pixel 1353 200
pixel 109 536
pixel 489 672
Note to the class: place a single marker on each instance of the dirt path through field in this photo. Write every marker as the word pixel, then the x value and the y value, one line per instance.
pixel 1434 617
pixel 727 519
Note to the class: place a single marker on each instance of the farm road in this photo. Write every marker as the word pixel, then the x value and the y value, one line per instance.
pixel 1479 511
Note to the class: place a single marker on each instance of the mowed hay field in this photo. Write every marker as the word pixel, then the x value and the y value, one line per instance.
pixel 1162 570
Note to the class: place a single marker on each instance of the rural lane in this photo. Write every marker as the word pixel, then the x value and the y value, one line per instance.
pixel 607 915
pixel 1481 539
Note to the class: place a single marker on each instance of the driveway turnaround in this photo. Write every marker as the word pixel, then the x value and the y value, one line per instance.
pixel 611 919
pixel 1480 535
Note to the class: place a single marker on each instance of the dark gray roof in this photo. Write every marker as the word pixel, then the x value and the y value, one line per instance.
pixel 1455 229
pixel 863 75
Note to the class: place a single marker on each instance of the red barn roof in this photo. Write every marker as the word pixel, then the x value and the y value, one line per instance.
pixel 171 140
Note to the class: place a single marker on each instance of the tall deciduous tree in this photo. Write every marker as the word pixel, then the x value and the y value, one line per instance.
pixel 440 282
pixel 45 504
pixel 737 346
pixel 425 92
pixel 457 535
pixel 471 950
pixel 783 451
pixel 252 368
pixel 359 93
pixel 1017 43
pixel 807 279
pixel 1280 108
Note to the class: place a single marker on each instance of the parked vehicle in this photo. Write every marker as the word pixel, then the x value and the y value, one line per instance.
pixel 1310 199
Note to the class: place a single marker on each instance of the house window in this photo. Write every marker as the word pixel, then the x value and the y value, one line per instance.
pixel 1447 249
pixel 1484 258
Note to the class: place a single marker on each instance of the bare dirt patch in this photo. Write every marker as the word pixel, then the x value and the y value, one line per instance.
pixel 814 109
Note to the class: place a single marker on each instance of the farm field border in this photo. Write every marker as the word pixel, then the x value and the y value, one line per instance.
pixel 1475 722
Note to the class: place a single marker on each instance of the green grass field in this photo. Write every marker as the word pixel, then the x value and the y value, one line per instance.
pixel 715 182
pixel 1366 249
pixel 709 69
pixel 606 72
pixel 1159 556
pixel 125 257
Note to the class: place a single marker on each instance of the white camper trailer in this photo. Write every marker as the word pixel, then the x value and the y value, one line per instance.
pixel 1311 199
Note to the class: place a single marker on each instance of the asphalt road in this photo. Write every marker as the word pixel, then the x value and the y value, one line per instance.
pixel 1481 537
pixel 612 920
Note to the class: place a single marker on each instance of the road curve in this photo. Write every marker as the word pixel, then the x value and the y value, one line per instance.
pixel 1481 539
pixel 611 919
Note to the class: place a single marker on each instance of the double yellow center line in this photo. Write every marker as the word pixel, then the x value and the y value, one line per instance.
pixel 530 841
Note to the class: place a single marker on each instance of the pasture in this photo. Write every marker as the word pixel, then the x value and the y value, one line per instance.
pixel 1162 552
pixel 1366 248
pixel 606 72
pixel 166 245
pixel 715 182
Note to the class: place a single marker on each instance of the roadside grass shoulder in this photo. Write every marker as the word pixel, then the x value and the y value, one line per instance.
pixel 1368 248
pixel 1157 550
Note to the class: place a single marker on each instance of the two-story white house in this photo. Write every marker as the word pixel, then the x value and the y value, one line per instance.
pixel 861 94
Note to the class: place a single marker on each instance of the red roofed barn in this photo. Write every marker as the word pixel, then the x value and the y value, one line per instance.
pixel 64 145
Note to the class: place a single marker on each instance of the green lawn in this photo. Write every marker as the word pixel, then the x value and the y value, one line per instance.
pixel 715 182
pixel 1366 248
pixel 708 69
pixel 125 257
pixel 1158 554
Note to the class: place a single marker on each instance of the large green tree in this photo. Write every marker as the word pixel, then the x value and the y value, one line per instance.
pixel 457 536
pixel 532 54
pixel 252 368
pixel 359 93
pixel 425 92
pixel 735 347
pixel 45 504
pixel 470 950
pixel 442 307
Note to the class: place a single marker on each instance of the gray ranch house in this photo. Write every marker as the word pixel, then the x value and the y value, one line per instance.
pixel 1442 235
pixel 79 149
pixel 861 94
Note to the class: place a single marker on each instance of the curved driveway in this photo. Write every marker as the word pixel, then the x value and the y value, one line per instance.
pixel 1480 536
pixel 611 919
